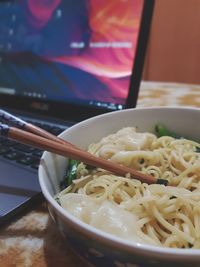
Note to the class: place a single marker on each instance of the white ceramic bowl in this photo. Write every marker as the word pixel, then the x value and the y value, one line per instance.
pixel 98 247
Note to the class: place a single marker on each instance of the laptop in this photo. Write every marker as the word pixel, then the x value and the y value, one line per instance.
pixel 60 63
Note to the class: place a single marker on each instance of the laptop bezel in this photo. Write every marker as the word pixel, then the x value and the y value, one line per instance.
pixel 75 112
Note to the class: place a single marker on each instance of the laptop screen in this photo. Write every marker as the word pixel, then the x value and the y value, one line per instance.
pixel 77 52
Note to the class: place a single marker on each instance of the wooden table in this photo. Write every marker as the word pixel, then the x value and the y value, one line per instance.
pixel 33 240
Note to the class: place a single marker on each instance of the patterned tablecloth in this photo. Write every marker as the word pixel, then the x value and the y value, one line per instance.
pixel 33 240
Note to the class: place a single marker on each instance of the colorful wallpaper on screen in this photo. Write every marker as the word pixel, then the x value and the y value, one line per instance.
pixel 70 49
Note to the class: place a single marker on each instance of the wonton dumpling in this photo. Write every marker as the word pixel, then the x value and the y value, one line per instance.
pixel 107 216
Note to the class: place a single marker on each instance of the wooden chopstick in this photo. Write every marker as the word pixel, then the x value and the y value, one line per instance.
pixel 30 134
pixel 12 120
pixel 73 152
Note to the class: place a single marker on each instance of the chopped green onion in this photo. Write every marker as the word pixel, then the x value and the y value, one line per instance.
pixel 162 181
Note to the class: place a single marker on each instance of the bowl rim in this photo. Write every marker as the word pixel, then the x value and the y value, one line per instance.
pixel 107 237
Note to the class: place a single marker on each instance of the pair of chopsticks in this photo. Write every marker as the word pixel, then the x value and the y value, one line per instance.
pixel 29 134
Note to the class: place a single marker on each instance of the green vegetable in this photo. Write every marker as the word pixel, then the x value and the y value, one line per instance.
pixel 198 149
pixel 71 172
pixel 57 200
pixel 163 131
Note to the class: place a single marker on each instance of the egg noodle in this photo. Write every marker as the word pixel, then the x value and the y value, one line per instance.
pixel 154 214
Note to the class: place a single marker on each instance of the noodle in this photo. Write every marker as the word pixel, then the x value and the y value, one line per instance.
pixel 160 215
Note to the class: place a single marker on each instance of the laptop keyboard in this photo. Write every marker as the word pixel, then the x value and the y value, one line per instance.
pixel 23 154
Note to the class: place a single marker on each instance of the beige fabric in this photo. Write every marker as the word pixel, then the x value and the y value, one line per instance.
pixel 33 240
pixel 168 94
